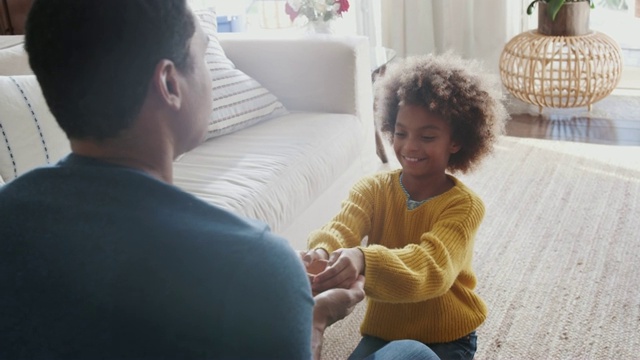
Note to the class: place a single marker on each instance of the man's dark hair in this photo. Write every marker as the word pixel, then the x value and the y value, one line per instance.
pixel 94 58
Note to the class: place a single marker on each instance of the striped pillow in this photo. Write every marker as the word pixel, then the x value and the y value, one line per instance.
pixel 239 101
pixel 29 134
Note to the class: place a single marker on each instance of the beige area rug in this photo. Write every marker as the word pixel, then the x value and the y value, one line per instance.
pixel 557 256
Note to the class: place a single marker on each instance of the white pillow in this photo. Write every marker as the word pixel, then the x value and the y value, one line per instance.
pixel 14 61
pixel 29 134
pixel 239 101
pixel 198 4
pixel 1 181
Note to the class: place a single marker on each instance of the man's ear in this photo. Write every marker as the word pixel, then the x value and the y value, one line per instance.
pixel 167 85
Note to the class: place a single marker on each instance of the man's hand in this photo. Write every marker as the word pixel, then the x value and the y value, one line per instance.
pixel 331 306
pixel 334 304
pixel 344 268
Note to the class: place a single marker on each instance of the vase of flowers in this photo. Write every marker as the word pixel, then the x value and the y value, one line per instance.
pixel 319 27
pixel 317 15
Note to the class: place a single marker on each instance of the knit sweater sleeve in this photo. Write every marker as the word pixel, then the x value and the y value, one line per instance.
pixel 351 224
pixel 427 268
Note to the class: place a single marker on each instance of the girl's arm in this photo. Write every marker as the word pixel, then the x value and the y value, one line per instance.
pixel 351 224
pixel 418 272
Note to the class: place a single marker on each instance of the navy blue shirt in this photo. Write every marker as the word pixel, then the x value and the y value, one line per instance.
pixel 98 260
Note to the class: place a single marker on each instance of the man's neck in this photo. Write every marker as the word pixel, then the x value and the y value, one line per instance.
pixel 142 156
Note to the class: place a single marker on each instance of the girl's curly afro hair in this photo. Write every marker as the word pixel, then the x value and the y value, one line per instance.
pixel 457 90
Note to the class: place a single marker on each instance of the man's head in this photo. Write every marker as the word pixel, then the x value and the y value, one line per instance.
pixel 96 60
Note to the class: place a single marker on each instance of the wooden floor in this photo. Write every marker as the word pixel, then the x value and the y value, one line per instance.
pixel 614 120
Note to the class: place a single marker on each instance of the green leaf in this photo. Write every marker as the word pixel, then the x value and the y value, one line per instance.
pixel 553 6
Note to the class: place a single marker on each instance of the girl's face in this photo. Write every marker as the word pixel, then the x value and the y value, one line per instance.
pixel 422 142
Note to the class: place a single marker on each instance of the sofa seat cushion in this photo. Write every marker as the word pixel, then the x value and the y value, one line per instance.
pixel 273 170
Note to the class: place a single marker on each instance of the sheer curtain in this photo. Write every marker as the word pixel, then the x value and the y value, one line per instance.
pixel 476 29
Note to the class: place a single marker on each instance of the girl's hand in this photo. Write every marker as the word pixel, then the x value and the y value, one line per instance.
pixel 345 265
pixel 310 256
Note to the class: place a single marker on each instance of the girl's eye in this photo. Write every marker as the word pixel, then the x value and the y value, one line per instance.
pixel 428 138
pixel 399 134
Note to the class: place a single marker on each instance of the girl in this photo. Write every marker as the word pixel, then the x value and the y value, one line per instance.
pixel 442 114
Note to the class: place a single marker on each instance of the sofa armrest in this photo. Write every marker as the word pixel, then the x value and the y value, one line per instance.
pixel 318 74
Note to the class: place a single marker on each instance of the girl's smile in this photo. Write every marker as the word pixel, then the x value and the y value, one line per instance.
pixel 411 159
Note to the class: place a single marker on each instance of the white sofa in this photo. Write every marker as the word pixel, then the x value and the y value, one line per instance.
pixel 291 171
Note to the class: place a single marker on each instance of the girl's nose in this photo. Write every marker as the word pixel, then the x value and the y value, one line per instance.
pixel 411 144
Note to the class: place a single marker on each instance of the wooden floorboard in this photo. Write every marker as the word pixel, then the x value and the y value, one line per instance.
pixel 615 121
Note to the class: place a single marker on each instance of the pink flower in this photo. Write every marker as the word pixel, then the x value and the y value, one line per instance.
pixel 344 6
pixel 315 10
pixel 290 11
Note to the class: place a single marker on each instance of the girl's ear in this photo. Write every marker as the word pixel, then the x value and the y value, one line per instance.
pixel 454 147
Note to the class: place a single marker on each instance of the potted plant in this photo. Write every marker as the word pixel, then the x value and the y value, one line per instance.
pixel 562 17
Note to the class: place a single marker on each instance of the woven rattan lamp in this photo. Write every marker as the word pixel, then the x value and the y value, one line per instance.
pixel 561 71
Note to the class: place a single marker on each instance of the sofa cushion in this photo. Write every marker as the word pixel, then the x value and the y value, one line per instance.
pixel 274 170
pixel 29 134
pixel 13 57
pixel 239 101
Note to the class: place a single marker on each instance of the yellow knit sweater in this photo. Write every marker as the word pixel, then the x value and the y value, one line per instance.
pixel 418 275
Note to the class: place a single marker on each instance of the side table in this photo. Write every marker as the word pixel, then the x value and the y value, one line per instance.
pixel 13 15
pixel 561 71
pixel 380 57
pixel 6 27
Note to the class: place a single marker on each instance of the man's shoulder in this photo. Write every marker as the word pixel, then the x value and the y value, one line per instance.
pixel 127 197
